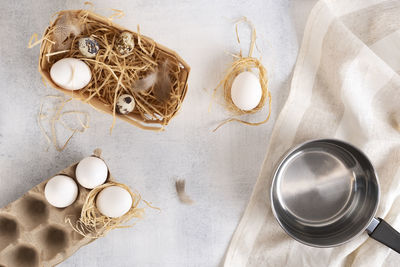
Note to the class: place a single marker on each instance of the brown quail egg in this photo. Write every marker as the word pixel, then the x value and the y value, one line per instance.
pixel 125 104
pixel 88 47
pixel 125 43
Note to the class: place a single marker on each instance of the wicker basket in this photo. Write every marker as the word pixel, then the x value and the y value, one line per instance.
pixel 149 122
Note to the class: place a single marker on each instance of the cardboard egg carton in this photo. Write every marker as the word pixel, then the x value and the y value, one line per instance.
pixel 33 233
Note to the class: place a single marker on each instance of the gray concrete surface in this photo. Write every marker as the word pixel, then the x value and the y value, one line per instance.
pixel 220 168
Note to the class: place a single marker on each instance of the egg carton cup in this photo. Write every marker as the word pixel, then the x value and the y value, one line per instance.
pixel 33 233
pixel 133 118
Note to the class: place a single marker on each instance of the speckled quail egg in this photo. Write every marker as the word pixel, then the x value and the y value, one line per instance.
pixel 88 47
pixel 125 43
pixel 125 104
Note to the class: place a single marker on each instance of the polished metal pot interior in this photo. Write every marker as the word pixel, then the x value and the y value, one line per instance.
pixel 324 193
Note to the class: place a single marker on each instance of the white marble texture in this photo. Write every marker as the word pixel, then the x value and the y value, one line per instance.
pixel 220 168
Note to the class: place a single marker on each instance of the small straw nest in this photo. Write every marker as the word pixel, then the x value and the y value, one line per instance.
pixel 240 65
pixel 114 74
pixel 94 224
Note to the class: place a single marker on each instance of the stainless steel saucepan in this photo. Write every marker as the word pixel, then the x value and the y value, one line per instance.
pixel 326 192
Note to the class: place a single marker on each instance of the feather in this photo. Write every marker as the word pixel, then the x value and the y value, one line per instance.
pixel 395 120
pixel 66 27
pixel 180 189
pixel 145 83
pixel 162 90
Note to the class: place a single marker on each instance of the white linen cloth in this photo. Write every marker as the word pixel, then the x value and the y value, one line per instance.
pixel 346 85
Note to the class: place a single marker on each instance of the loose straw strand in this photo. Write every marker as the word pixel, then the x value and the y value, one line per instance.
pixel 58 118
pixel 253 35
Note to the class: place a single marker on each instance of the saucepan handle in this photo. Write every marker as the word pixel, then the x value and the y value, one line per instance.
pixel 386 234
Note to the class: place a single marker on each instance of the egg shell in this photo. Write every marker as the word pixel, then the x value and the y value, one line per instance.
pixel 125 104
pixel 113 201
pixel 61 191
pixel 70 73
pixel 91 172
pixel 88 47
pixel 246 91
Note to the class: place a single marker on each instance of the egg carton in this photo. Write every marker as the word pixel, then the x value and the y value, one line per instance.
pixel 34 233
pixel 132 118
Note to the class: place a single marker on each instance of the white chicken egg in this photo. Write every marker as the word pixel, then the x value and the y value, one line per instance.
pixel 246 91
pixel 70 73
pixel 91 172
pixel 113 201
pixel 61 191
